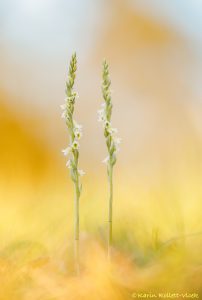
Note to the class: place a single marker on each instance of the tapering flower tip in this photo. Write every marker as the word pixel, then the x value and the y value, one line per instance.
pixel 105 64
pixel 71 74
pixel 73 60
pixel 74 55
pixel 105 69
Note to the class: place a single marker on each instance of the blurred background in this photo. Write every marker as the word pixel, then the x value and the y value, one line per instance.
pixel 154 51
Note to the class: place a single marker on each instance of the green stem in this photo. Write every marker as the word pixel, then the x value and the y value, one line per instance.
pixel 76 226
pixel 110 176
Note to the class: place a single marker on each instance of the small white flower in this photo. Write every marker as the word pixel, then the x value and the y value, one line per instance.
pixel 77 130
pixel 105 161
pixel 78 134
pixel 81 172
pixel 63 115
pixel 103 104
pixel 68 164
pixel 112 130
pixel 63 106
pixel 75 145
pixel 78 126
pixel 76 95
pixel 66 151
pixel 101 111
pixel 101 118
pixel 101 115
pixel 70 99
pixel 107 125
pixel 117 141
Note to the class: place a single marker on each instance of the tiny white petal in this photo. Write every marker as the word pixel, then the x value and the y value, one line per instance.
pixel 78 134
pixel 78 129
pixel 68 164
pixel 81 172
pixel 101 111
pixel 75 94
pixel 101 118
pixel 105 161
pixel 63 106
pixel 101 115
pixel 113 130
pixel 63 115
pixel 66 151
pixel 78 126
pixel 117 141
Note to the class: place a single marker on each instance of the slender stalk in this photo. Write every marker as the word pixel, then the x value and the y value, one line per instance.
pixel 110 217
pixel 76 227
pixel 112 144
pixel 75 133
